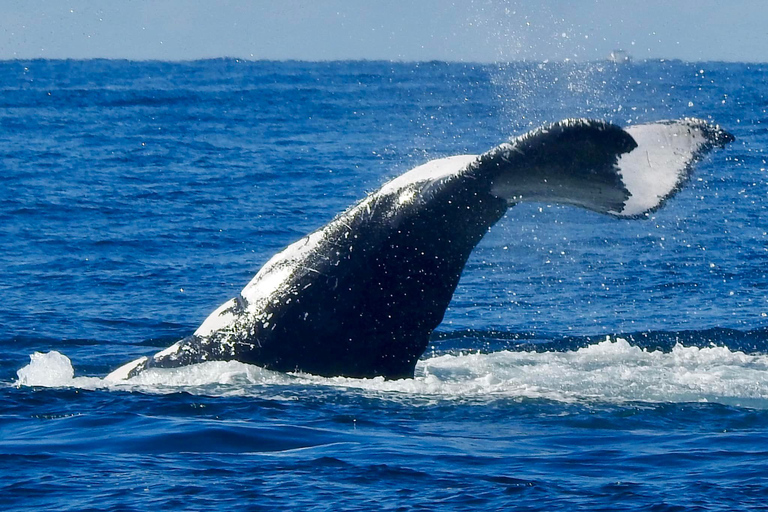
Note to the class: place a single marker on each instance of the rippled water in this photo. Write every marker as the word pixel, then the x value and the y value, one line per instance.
pixel 585 362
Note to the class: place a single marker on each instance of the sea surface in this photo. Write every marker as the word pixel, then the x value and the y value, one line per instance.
pixel 585 363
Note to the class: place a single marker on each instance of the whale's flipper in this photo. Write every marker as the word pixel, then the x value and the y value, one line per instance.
pixel 360 296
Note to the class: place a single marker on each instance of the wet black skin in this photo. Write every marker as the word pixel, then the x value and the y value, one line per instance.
pixel 365 300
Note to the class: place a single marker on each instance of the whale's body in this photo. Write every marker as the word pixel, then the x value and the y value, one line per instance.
pixel 360 296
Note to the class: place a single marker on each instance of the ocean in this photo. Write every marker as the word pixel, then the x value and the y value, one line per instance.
pixel 585 363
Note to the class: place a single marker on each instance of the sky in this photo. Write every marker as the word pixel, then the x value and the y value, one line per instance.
pixel 403 30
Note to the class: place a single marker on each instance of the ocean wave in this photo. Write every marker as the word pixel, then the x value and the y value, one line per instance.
pixel 612 370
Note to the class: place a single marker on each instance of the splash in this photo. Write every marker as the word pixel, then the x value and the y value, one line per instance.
pixel 542 58
pixel 51 369
pixel 612 370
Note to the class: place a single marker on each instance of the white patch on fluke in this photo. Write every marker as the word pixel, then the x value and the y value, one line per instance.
pixel 659 164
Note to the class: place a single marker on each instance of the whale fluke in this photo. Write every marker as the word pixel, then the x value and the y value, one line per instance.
pixel 360 296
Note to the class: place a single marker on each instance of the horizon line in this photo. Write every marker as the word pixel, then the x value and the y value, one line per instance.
pixel 365 60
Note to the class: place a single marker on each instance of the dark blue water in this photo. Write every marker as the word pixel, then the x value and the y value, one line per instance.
pixel 585 362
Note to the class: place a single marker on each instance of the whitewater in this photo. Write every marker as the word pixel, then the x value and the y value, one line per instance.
pixel 584 362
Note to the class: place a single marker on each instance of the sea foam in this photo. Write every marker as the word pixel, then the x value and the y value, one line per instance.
pixel 612 370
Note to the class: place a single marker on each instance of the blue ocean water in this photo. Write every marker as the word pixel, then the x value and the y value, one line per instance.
pixel 585 362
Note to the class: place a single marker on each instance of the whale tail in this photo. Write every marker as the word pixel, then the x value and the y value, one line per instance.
pixel 624 172
pixel 360 296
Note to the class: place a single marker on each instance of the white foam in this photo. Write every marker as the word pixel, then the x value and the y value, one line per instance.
pixel 612 371
pixel 51 370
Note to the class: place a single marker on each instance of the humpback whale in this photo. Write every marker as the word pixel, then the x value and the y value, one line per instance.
pixel 360 296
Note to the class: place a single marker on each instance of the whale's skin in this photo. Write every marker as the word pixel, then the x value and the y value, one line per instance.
pixel 360 296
